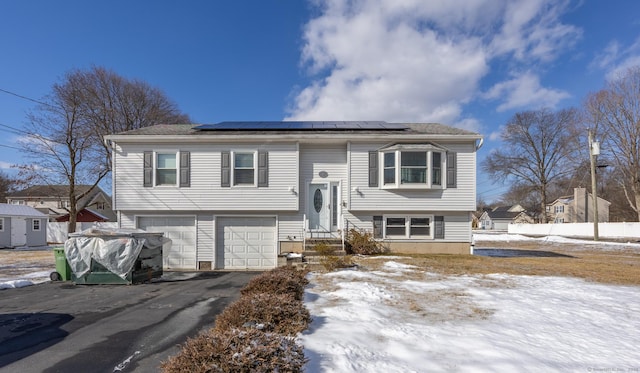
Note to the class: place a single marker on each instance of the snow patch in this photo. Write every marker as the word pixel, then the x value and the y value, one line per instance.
pixel 491 323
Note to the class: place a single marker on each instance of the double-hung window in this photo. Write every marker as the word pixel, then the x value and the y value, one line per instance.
pixel 244 168
pixel 413 166
pixel 408 226
pixel 166 170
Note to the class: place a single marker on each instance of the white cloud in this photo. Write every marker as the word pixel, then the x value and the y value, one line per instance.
pixel 525 91
pixel 531 29
pixel 413 60
pixel 615 59
pixel 496 135
pixel 470 124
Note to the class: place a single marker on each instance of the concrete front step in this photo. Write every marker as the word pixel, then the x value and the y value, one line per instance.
pixel 310 244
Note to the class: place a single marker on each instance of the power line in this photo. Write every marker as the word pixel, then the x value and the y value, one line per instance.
pixel 24 97
pixel 15 131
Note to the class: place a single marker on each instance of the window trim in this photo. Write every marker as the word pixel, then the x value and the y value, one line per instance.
pixel 408 225
pixel 156 154
pixel 232 168
pixel 33 225
pixel 397 151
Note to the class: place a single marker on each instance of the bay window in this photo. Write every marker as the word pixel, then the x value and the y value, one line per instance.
pixel 413 166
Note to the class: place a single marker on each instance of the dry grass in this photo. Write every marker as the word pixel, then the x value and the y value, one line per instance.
pixel 620 266
pixel 16 263
pixel 9 256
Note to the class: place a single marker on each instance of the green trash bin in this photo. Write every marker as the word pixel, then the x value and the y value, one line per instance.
pixel 63 270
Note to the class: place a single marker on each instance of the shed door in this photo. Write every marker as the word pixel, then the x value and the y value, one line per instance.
pixel 246 243
pixel 182 231
pixel 18 231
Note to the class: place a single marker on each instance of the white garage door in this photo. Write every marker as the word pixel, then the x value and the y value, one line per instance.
pixel 246 243
pixel 182 232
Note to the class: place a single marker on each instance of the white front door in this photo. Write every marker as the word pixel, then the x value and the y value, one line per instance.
pixel 319 205
pixel 18 231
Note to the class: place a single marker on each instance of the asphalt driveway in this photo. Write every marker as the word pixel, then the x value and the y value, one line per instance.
pixel 61 327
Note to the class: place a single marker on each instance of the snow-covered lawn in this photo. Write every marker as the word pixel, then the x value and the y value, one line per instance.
pixel 387 316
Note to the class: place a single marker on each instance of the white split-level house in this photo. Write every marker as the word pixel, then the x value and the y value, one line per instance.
pixel 236 195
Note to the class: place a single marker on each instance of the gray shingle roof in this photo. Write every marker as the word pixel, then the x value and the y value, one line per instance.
pixel 188 129
pixel 61 191
pixel 20 210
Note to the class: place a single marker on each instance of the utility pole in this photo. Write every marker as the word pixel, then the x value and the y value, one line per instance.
pixel 594 151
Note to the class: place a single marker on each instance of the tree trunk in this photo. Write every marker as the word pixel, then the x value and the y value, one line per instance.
pixel 543 203
pixel 73 209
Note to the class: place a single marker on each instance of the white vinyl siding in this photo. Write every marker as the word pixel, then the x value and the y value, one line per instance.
pixel 206 247
pixel 321 163
pixel 457 227
pixel 365 198
pixel 205 193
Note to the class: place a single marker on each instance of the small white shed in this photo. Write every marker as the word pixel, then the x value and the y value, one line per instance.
pixel 22 226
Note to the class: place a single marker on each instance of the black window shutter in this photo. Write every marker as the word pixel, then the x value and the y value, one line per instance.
pixel 377 227
pixel 185 169
pixel 263 169
pixel 225 169
pixel 438 232
pixel 373 169
pixel 452 173
pixel 148 169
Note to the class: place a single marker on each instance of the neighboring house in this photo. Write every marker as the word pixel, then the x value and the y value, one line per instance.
pixel 577 208
pixel 22 226
pixel 53 200
pixel 84 216
pixel 235 195
pixel 500 217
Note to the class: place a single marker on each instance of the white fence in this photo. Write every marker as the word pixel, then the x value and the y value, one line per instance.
pixel 57 232
pixel 605 230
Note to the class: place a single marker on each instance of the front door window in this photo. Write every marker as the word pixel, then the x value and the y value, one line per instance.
pixel 319 208
pixel 317 200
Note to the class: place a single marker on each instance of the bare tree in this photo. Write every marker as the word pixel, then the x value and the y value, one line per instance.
pixel 65 131
pixel 7 185
pixel 539 147
pixel 523 195
pixel 614 114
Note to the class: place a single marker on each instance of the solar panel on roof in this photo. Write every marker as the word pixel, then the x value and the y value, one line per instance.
pixel 349 125
pixel 394 126
pixel 302 126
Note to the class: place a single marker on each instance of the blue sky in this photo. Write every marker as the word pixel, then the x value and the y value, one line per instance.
pixel 470 66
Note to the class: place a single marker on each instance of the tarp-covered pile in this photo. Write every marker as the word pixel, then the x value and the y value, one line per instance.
pixel 116 250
